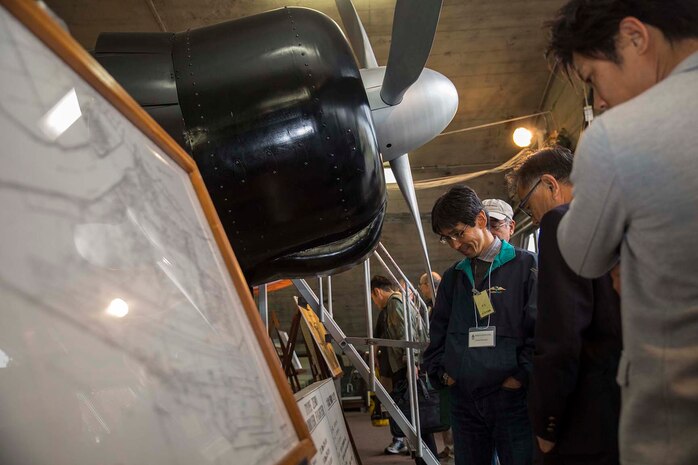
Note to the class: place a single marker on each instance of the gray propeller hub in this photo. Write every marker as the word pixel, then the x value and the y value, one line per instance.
pixel 427 108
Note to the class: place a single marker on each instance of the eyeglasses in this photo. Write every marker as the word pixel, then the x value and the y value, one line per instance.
pixel 455 237
pixel 496 224
pixel 523 205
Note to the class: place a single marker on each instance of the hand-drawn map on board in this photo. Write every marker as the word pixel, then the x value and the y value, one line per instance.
pixel 122 337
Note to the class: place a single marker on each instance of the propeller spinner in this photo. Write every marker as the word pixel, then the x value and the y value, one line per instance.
pixel 410 104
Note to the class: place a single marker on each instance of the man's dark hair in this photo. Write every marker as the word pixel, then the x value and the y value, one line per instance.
pixel 459 205
pixel 555 161
pixel 590 27
pixel 381 282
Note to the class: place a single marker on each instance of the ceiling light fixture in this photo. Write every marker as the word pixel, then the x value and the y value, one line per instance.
pixel 523 137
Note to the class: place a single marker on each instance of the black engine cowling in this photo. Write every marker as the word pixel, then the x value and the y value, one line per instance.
pixel 274 112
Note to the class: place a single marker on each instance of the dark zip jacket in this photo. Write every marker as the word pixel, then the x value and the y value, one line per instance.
pixel 480 371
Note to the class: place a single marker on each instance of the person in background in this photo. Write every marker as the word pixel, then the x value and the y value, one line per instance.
pixel 482 334
pixel 392 361
pixel 635 182
pixel 501 216
pixel 425 289
pixel 574 400
pixel 403 285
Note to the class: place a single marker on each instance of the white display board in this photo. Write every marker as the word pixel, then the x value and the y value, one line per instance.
pixel 122 338
pixel 322 410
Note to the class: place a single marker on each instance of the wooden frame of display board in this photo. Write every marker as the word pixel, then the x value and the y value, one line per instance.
pixel 75 57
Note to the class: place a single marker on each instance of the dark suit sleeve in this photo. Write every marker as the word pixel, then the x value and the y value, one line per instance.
pixel 438 329
pixel 525 357
pixel 565 310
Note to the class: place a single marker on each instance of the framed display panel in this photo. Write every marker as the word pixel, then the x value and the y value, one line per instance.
pixel 128 332
pixel 314 331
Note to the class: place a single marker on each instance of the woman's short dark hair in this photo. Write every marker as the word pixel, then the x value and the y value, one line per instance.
pixel 459 205
pixel 381 282
pixel 590 27
pixel 555 161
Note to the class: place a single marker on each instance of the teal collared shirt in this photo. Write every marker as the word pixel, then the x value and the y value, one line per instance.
pixel 506 254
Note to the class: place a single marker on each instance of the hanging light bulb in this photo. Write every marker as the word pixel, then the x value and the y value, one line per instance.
pixel 522 137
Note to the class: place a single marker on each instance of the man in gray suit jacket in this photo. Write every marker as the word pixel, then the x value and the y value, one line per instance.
pixel 635 182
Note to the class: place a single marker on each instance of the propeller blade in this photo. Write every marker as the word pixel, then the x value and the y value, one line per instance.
pixel 357 34
pixel 414 27
pixel 403 176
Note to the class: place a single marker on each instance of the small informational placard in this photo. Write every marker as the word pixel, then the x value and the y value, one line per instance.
pixel 322 411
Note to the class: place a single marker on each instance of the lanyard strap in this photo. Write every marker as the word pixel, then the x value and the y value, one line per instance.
pixel 489 294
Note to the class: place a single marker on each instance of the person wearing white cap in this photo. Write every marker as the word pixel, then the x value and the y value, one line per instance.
pixel 501 217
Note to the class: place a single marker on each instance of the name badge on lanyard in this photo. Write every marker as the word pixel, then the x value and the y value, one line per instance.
pixel 482 337
pixel 482 303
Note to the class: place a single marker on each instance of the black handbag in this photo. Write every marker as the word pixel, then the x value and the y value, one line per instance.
pixel 430 418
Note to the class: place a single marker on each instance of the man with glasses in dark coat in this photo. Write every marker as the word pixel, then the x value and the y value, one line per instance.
pixel 482 334
pixel 574 398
